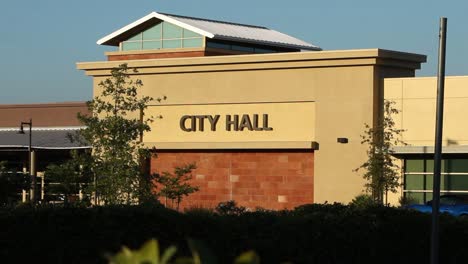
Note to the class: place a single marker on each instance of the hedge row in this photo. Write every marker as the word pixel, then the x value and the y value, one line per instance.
pixel 309 234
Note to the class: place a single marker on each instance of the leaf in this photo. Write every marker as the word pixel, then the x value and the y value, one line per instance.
pixel 149 252
pixel 168 254
pixel 249 257
pixel 125 256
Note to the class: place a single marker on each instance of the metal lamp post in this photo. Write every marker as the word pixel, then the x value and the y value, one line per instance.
pixel 438 143
pixel 31 175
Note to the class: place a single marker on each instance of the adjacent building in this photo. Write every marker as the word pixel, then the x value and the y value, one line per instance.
pixel 44 139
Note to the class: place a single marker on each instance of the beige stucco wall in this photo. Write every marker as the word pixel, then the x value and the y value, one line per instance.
pixel 416 98
pixel 342 109
pixel 288 122
pixel 309 97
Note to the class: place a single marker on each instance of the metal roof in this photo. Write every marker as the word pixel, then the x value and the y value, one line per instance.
pixel 45 138
pixel 211 29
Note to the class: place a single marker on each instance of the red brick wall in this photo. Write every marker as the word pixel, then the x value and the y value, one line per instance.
pixel 268 179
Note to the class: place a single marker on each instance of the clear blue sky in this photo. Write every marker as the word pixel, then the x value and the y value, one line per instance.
pixel 42 40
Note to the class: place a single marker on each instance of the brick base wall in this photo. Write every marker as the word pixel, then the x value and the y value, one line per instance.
pixel 267 179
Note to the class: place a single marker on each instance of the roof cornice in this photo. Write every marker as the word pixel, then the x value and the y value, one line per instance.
pixel 263 61
pixel 106 40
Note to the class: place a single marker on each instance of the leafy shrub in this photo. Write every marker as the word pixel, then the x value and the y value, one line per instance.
pixel 230 208
pixel 406 200
pixel 363 201
pixel 316 233
pixel 198 210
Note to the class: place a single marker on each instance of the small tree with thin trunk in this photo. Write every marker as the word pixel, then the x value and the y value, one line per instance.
pixel 176 186
pixel 380 170
pixel 114 130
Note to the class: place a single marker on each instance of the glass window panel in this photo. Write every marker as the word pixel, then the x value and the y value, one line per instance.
pixel 414 166
pixel 168 44
pixel 136 37
pixel 218 45
pixel 418 182
pixel 456 165
pixel 428 196
pixel 454 182
pixel 131 45
pixel 151 45
pixel 153 33
pixel 242 48
pixel 190 34
pixel 429 165
pixel 418 165
pixel 171 31
pixel 260 50
pixel 190 43
pixel 445 182
pixel 418 198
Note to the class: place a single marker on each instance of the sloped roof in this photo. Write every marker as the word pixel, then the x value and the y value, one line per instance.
pixel 42 138
pixel 211 29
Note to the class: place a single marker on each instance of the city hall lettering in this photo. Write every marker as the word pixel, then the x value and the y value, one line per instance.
pixel 255 122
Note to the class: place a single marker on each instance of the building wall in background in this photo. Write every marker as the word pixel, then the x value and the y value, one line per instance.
pixel 416 98
pixel 42 115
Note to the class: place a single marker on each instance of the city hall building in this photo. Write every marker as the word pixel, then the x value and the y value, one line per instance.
pixel 272 121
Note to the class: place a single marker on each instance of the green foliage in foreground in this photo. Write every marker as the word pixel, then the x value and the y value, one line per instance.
pixel 309 234
pixel 150 253
pixel 147 254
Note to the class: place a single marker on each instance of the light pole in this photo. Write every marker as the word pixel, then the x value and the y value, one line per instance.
pixel 31 174
pixel 435 237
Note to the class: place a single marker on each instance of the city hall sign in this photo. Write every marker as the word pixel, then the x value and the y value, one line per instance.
pixel 255 122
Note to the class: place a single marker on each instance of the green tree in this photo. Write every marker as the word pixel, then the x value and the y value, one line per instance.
pixel 380 170
pixel 11 184
pixel 68 178
pixel 114 130
pixel 176 186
